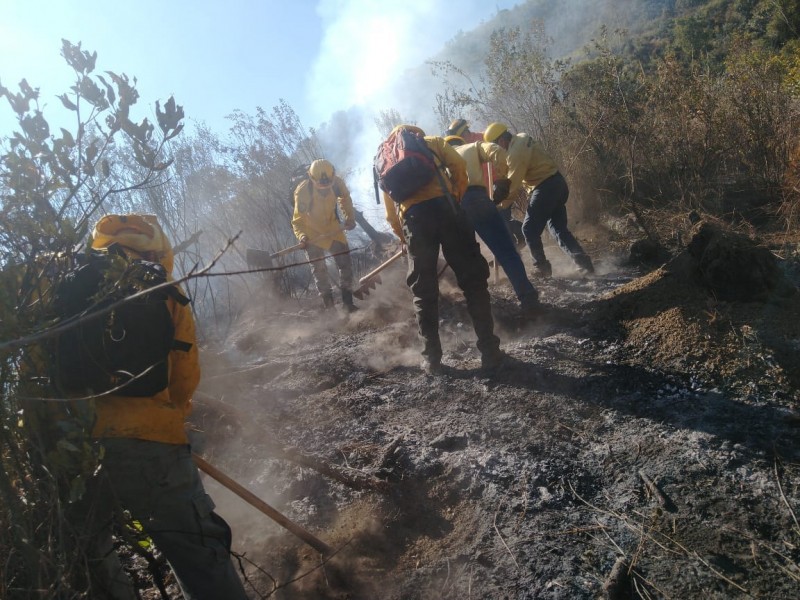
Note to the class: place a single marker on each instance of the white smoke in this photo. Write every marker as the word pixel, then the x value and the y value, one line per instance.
pixel 366 48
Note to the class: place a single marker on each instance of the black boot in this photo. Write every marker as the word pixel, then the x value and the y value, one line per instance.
pixel 584 263
pixel 543 269
pixel 347 301
pixel 327 300
pixel 531 307
pixel 493 359
pixel 432 356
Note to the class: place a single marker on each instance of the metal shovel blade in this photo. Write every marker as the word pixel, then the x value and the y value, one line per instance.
pixel 261 259
pixel 258 259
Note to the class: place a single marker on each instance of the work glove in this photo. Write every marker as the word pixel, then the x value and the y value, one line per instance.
pixel 303 241
pixel 349 225
pixel 500 190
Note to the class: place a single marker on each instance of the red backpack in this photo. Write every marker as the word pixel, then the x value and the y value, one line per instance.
pixel 403 165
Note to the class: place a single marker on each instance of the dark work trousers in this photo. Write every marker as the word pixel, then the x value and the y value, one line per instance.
pixel 160 486
pixel 514 226
pixel 547 208
pixel 320 269
pixel 429 226
pixel 491 228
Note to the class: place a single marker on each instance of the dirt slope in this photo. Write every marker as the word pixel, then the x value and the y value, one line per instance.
pixel 640 442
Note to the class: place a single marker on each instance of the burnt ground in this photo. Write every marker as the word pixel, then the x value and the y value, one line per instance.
pixel 640 442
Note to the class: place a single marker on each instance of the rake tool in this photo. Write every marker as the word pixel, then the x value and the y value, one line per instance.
pixel 372 279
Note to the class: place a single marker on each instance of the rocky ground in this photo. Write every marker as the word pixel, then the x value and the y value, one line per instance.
pixel 640 442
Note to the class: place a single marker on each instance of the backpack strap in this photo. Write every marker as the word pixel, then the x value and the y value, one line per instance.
pixel 181 346
pixel 445 189
pixel 174 293
pixel 336 192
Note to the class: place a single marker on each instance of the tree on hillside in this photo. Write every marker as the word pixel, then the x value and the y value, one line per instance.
pixel 518 84
pixel 711 132
pixel 265 152
pixel 52 187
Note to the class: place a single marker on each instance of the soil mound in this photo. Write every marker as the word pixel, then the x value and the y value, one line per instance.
pixel 723 306
pixel 733 267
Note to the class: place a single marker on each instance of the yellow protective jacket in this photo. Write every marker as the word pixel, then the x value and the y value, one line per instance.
pixel 528 163
pixel 315 212
pixel 161 417
pixel 455 178
pixel 477 155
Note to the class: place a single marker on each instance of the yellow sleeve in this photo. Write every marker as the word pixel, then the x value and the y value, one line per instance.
pixel 393 217
pixel 456 166
pixel 344 199
pixel 517 164
pixel 498 157
pixel 301 196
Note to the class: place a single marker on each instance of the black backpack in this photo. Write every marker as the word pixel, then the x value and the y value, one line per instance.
pixel 298 176
pixel 123 350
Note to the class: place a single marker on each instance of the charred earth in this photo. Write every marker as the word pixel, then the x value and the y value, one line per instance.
pixel 640 442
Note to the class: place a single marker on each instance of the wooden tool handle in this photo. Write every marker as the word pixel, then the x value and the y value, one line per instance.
pixel 381 267
pixel 251 498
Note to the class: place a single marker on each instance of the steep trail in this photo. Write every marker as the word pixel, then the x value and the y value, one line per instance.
pixel 581 450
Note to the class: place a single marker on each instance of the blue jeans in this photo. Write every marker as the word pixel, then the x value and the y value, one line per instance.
pixel 492 229
pixel 547 208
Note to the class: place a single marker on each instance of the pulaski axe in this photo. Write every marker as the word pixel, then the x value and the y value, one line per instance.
pixel 372 279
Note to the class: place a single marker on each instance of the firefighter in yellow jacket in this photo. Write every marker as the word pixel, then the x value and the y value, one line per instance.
pixel 487 220
pixel 317 227
pixel 530 166
pixel 430 220
pixel 147 467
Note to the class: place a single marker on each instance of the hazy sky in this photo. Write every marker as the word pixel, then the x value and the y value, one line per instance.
pixel 319 55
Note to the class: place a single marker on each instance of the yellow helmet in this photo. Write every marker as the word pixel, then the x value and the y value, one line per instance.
pixel 494 131
pixel 411 128
pixel 458 127
pixel 454 140
pixel 321 173
pixel 139 232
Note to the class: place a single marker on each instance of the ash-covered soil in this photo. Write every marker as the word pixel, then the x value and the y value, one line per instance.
pixel 640 442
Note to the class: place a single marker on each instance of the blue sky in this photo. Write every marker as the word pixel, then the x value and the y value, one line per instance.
pixel 321 56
